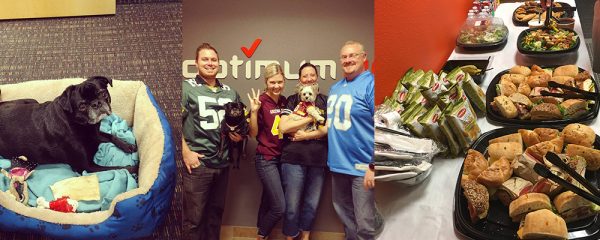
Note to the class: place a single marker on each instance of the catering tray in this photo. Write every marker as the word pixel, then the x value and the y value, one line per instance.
pixel 479 25
pixel 496 117
pixel 567 14
pixel 498 224
pixel 481 64
pixel 547 54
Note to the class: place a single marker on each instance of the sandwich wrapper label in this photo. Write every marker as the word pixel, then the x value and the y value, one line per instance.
pixel 464 124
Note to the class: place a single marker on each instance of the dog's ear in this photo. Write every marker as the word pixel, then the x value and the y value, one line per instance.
pixel 315 88
pixel 226 107
pixel 65 99
pixel 298 88
pixel 102 81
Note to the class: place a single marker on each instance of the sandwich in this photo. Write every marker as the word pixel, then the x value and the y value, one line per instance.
pixel 592 156
pixel 522 104
pixel 475 163
pixel 545 111
pixel 527 203
pixel 525 71
pixel 566 70
pixel 540 80
pixel 561 79
pixel 574 108
pixel 524 89
pixel 579 134
pixel 506 88
pixel 515 137
pixel 577 163
pixel 523 167
pixel 496 174
pixel 543 224
pixel 505 106
pixel 516 79
pixel 547 186
pixel 478 198
pixel 573 207
pixel 538 135
pixel 538 151
pixel 582 76
pixel 508 150
pixel 512 188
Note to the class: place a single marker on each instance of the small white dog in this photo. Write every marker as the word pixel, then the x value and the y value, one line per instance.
pixel 308 95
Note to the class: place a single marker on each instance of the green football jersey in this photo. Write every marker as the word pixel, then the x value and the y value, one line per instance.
pixel 202 115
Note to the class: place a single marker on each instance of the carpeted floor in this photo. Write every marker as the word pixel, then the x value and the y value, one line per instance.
pixel 141 42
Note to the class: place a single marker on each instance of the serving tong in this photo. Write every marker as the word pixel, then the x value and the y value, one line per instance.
pixel 583 94
pixel 543 171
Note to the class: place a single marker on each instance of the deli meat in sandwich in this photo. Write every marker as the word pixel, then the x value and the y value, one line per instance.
pixel 478 197
pixel 575 107
pixel 543 224
pixel 573 207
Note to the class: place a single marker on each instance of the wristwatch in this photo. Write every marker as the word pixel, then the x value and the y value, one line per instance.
pixel 372 166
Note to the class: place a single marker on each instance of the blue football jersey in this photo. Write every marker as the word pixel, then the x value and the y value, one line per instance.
pixel 350 127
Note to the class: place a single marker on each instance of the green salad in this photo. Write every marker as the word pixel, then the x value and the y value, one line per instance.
pixel 548 40
pixel 483 34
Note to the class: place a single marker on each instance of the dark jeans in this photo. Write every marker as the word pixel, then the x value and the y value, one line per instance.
pixel 272 202
pixel 354 206
pixel 299 180
pixel 203 202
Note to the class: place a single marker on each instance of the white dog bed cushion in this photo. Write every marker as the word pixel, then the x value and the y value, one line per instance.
pixel 135 213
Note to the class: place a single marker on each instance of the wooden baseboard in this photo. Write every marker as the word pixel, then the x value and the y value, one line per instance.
pixel 247 233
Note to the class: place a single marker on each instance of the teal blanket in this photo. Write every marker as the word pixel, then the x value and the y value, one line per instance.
pixel 112 182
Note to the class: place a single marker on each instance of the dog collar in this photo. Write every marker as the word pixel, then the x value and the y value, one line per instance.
pixel 231 128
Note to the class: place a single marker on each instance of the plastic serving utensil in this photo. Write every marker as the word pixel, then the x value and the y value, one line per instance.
pixel 555 159
pixel 545 172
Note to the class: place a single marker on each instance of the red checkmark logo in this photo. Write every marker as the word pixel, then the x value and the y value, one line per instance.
pixel 250 52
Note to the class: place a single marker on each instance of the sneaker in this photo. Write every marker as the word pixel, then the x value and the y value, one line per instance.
pixel 379 221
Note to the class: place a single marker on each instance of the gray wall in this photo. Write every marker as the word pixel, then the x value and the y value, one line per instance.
pixel 291 32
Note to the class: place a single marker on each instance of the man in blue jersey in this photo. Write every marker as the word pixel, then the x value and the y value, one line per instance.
pixel 350 134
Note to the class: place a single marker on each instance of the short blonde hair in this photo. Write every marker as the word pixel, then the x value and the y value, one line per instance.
pixel 272 70
pixel 352 42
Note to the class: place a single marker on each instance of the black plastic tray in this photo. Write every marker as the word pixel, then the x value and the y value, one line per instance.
pixel 567 14
pixel 481 64
pixel 496 117
pixel 498 224
pixel 555 53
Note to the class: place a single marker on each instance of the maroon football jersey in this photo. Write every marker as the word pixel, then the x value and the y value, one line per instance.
pixel 269 139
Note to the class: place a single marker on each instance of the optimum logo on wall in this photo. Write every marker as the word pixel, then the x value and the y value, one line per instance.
pixel 189 66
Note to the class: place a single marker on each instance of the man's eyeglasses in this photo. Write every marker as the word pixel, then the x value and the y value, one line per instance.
pixel 351 56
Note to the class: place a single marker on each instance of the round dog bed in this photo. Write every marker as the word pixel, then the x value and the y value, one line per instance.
pixel 135 213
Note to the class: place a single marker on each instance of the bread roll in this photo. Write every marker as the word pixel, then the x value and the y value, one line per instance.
pixel 579 134
pixel 536 70
pixel 496 174
pixel 525 71
pixel 566 70
pixel 530 138
pixel 529 202
pixel 515 137
pixel 514 78
pixel 509 150
pixel 546 134
pixel 538 80
pixel 544 224
pixel 524 89
pixel 592 156
pixel 475 163
pixel 561 79
pixel 506 106
pixel 506 88
pixel 538 151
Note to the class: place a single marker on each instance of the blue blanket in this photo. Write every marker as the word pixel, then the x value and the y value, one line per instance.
pixel 112 183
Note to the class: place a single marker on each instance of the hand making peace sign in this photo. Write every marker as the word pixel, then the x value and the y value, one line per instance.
pixel 254 102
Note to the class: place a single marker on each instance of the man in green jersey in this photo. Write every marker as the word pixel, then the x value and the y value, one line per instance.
pixel 205 184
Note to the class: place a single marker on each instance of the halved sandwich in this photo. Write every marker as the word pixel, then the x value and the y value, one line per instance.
pixel 505 106
pixel 478 197
pixel 545 111
pixel 573 207
pixel 574 108
pixel 523 104
pixel 543 224
pixel 527 203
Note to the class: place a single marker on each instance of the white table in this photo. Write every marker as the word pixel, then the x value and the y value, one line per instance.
pixel 425 211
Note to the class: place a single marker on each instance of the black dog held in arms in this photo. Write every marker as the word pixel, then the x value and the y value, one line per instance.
pixel 65 130
pixel 235 121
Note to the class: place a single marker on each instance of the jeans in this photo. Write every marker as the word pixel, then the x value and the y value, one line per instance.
pixel 354 206
pixel 203 202
pixel 299 180
pixel 272 202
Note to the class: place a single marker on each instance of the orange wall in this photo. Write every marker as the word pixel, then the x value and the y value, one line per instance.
pixel 419 33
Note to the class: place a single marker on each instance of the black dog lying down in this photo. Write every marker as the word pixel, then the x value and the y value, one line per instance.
pixel 235 121
pixel 65 130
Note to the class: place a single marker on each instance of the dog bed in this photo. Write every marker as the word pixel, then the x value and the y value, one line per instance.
pixel 135 213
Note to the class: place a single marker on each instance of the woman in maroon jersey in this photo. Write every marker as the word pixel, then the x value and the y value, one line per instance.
pixel 264 126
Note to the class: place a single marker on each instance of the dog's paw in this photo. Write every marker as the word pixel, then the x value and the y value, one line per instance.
pixel 126 147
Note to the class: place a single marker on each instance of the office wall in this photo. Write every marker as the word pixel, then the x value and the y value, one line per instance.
pixel 291 32
pixel 413 33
